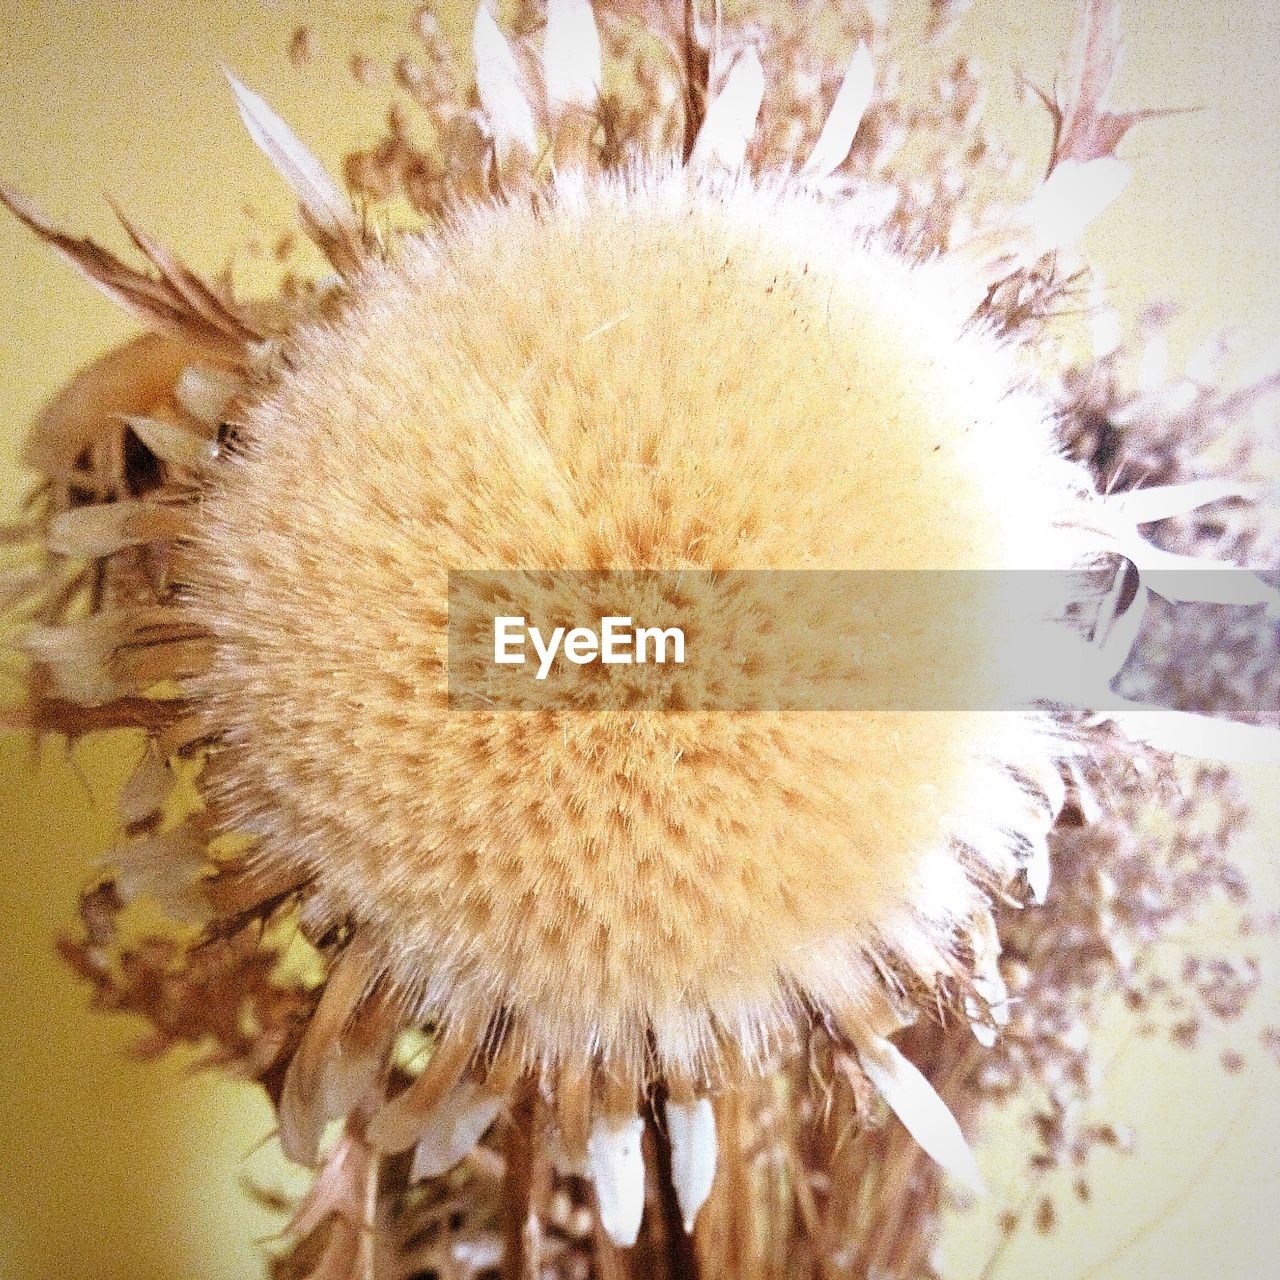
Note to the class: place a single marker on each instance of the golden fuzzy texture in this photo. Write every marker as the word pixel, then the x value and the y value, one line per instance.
pixel 663 373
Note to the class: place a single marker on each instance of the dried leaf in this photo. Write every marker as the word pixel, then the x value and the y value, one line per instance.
pixel 157 303
pixel 225 992
pixel 44 714
pixel 201 299
pixel 1084 126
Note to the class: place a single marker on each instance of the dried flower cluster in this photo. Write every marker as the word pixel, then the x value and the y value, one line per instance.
pixel 585 1000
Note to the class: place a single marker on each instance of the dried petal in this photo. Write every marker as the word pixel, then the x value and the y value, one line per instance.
pixel 692 1130
pixel 165 869
pixel 926 1117
pixel 103 529
pixel 841 125
pixel 206 393
pixel 453 1130
pixel 302 1102
pixel 616 1165
pixel 571 56
pixel 1198 578
pixel 146 791
pixel 731 118
pixel 171 443
pixel 498 84
pixel 326 212
pixel 399 1124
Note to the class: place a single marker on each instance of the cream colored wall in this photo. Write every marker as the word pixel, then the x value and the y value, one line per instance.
pixel 112 1170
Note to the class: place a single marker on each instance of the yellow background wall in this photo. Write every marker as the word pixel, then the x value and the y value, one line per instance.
pixel 114 1171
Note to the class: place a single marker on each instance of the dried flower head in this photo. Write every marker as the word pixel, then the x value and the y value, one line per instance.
pixel 654 373
pixel 700 323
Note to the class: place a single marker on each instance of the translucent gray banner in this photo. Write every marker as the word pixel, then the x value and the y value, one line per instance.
pixel 783 640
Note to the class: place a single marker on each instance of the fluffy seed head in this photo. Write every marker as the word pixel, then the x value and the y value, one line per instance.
pixel 663 373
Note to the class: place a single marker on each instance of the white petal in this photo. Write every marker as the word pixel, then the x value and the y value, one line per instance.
pixel 841 126
pixel 1263 368
pixel 1198 578
pixel 1068 200
pixel 1205 365
pixel 926 1117
pixel 477 1256
pixel 173 444
pixel 456 1125
pixel 731 118
pixel 984 938
pixel 571 55
pixel 616 1164
pixel 317 192
pixel 1186 733
pixel 692 1130
pixel 1118 633
pixel 498 85
pixel 1164 501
